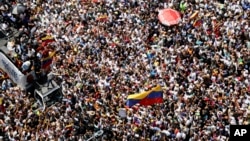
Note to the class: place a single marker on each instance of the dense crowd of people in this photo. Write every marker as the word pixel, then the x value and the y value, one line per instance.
pixel 109 49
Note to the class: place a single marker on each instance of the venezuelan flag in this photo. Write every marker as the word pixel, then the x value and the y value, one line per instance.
pixel 48 60
pixel 146 98
pixel 47 39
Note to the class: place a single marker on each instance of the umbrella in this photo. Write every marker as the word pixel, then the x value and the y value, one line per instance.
pixel 169 17
pixel 18 9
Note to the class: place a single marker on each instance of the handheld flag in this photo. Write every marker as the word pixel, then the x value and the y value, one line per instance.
pixel 146 98
pixel 47 39
pixel 48 60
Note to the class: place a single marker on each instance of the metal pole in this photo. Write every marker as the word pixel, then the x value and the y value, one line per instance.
pixel 98 133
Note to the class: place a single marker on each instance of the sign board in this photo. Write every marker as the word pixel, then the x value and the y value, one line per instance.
pixel 122 113
pixel 13 72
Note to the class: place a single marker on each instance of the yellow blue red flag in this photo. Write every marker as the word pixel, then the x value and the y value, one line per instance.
pixel 48 60
pixel 155 95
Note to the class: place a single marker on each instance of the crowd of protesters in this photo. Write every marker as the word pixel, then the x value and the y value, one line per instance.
pixel 107 50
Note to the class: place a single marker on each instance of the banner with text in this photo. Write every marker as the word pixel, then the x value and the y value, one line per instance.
pixel 13 72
